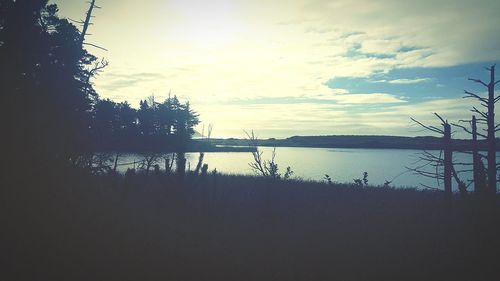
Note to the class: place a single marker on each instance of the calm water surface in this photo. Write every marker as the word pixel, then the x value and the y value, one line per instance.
pixel 342 165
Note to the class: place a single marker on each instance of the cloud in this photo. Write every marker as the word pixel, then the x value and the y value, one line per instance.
pixel 372 98
pixel 404 81
pixel 308 57
pixel 118 81
pixel 449 29
pixel 283 120
pixel 409 81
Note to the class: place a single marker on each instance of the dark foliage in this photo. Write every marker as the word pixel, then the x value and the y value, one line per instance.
pixel 43 78
pixel 166 126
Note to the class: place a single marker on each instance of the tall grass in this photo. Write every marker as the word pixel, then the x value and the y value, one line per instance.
pixel 156 226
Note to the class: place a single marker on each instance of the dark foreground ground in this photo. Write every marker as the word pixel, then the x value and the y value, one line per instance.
pixel 153 227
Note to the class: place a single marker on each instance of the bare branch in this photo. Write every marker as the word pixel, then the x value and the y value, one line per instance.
pixel 440 118
pixel 104 49
pixel 430 128
pixel 427 155
pixel 76 21
pixel 258 165
pixel 483 114
pixel 98 67
pixel 426 174
pixel 463 128
pixel 462 164
pixel 478 81
pixel 472 95
pixel 464 171
pixel 481 135
pixel 87 22
pixel 490 68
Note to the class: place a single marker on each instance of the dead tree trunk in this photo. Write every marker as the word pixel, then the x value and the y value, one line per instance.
pixel 488 117
pixel 448 158
pixel 86 23
pixel 478 167
pixel 492 168
pixel 181 164
pixel 475 155
pixel 99 65
pixel 448 171
pixel 479 175
pixel 115 166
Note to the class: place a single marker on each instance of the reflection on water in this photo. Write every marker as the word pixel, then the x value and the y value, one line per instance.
pixel 342 165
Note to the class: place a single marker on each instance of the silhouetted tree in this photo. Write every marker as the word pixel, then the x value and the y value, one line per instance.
pixel 106 121
pixel 154 126
pixel 488 117
pixel 43 82
pixel 185 121
pixel 429 160
pixel 479 175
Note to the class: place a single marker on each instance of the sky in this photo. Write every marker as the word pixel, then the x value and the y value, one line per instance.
pixel 297 67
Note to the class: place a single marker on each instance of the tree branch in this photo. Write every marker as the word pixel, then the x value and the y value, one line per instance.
pixel 472 95
pixel 430 128
pixel 463 128
pixel 478 81
pixel 104 49
pixel 440 118
pixel 483 114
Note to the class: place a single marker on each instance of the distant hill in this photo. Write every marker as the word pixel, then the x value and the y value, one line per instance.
pixel 354 141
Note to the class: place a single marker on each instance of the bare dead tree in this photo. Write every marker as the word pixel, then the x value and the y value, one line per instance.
pixel 266 168
pixel 94 71
pixel 202 154
pixel 487 117
pixel 479 176
pixel 258 164
pixel 115 165
pixel 150 159
pixel 99 65
pixel 436 162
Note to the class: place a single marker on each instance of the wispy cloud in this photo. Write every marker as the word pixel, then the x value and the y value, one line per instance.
pixel 371 98
pixel 118 81
pixel 403 81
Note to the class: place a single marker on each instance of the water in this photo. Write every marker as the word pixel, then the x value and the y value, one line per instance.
pixel 342 165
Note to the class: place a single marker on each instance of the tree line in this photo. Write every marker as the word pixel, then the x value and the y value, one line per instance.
pixel 51 112
pixel 165 126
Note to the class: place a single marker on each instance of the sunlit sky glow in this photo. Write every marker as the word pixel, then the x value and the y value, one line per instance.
pixel 297 67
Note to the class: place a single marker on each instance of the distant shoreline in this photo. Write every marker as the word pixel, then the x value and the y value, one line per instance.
pixel 347 141
pixel 333 141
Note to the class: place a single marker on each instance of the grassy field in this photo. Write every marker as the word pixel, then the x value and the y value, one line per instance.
pixel 223 227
